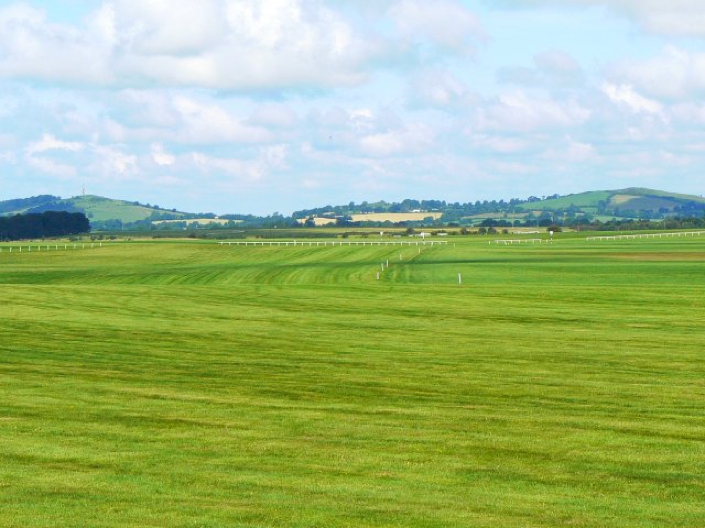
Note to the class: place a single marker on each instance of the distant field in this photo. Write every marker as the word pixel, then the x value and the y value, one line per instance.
pixel 322 221
pixel 499 216
pixel 379 217
pixel 198 221
pixel 162 384
pixel 579 200
pixel 394 217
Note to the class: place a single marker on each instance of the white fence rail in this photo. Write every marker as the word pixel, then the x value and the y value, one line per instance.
pixel 334 243
pixel 646 235
pixel 35 248
pixel 522 241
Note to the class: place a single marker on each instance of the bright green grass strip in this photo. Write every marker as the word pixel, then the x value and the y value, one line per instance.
pixel 189 384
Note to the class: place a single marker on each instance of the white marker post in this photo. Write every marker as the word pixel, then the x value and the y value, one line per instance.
pixel 460 278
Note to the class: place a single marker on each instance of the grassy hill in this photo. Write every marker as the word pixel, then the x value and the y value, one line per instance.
pixel 633 198
pixel 605 205
pixel 97 208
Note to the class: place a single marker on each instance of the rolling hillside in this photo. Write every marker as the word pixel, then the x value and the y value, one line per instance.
pixel 98 209
pixel 614 202
pixel 606 205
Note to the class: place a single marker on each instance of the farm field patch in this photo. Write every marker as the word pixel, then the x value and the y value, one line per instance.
pixel 395 217
pixel 188 383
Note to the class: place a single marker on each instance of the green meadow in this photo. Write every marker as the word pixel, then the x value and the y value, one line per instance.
pixel 185 383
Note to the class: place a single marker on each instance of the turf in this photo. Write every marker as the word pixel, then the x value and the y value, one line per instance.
pixel 189 384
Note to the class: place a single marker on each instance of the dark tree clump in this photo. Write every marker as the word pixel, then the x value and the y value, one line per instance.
pixel 48 224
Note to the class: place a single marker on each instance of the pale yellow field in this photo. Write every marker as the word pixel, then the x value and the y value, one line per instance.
pixel 621 198
pixel 377 217
pixel 322 221
pixel 394 217
pixel 199 221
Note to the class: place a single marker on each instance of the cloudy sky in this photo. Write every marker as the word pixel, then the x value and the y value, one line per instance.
pixel 256 106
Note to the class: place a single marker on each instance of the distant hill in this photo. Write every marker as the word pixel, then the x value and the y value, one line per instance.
pixel 583 208
pixel 603 206
pixel 101 212
pixel 618 201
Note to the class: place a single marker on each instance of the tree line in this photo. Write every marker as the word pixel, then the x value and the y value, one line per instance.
pixel 43 225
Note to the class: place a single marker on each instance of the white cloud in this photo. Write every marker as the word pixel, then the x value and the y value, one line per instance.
pixel 411 139
pixel 64 158
pixel 556 61
pixel 672 17
pixel 626 95
pixel 571 152
pixel 253 44
pixel 500 144
pixel 673 74
pixel 52 167
pixel 160 156
pixel 520 112
pixel 552 68
pixel 49 142
pixel 444 22
pixel 165 27
pixel 245 170
pixel 438 88
pixel 274 156
pixel 112 161
pixel 33 47
pixel 275 115
pixel 689 113
pixel 221 44
pixel 207 122
pixel 152 108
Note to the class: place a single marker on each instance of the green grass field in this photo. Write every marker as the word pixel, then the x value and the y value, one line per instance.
pixel 175 384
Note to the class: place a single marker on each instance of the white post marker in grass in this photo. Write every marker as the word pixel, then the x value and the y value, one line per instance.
pixel 460 278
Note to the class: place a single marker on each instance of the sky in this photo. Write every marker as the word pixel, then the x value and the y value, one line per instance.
pixel 263 106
